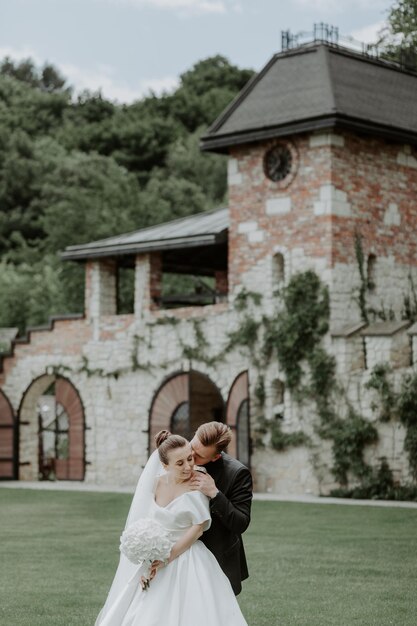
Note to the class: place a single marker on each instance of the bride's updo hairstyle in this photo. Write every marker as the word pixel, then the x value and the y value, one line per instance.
pixel 165 442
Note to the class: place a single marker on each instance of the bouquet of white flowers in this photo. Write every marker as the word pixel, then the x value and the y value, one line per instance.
pixel 146 541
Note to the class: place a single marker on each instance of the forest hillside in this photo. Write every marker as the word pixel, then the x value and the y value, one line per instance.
pixel 78 168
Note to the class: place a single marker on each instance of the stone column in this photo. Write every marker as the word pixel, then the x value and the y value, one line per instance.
pixel 148 282
pixel 142 273
pixel 155 286
pixel 101 288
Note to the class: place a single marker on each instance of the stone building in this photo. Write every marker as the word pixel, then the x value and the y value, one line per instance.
pixel 322 176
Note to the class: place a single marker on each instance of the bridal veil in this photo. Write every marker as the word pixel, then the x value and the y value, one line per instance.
pixel 125 580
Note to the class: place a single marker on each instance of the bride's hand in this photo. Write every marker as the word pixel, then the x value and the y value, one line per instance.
pixel 144 583
pixel 153 570
pixel 156 565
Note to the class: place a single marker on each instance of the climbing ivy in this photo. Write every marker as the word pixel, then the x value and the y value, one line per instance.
pixel 400 406
pixel 350 436
pixel 407 412
pixel 280 440
pixel 379 381
pixel 246 335
pixel 198 351
pixel 322 375
pixel 297 329
pixel 244 297
pixel 296 337
pixel 409 309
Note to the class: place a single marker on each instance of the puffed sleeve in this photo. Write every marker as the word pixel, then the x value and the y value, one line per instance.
pixel 199 509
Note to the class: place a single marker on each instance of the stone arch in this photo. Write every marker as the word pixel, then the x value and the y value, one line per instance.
pixel 182 402
pixel 52 430
pixel 8 440
pixel 238 418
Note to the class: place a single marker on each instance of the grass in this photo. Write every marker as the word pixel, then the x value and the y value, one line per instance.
pixel 311 565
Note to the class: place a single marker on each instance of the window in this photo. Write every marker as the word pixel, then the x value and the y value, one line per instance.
pixel 180 290
pixel 278 391
pixel 278 269
pixel 53 434
pixel 371 273
pixel 180 420
pixel 243 433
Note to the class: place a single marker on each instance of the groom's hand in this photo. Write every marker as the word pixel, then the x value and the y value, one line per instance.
pixel 204 483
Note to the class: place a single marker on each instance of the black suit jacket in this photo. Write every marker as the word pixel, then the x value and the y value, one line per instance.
pixel 230 513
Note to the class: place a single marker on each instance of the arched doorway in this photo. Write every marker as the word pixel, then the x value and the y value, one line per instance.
pixel 52 431
pixel 183 402
pixel 8 440
pixel 238 418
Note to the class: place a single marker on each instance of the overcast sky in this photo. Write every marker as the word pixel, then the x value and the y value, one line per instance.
pixel 126 47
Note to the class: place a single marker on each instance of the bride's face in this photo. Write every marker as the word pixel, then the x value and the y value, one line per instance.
pixel 180 463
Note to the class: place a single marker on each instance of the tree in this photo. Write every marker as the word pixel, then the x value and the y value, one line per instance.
pixel 167 197
pixel 31 293
pixel 47 78
pixel 50 79
pixel 84 197
pixel 18 182
pixel 212 73
pixel 135 138
pixel 208 171
pixel 29 109
pixel 74 170
pixel 206 90
pixel 25 71
pixel 399 38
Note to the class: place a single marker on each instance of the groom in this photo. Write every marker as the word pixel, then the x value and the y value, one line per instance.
pixel 228 484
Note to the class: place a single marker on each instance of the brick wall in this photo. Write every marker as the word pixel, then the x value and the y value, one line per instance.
pixel 343 184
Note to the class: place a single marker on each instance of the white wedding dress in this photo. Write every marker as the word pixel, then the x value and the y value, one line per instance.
pixel 191 590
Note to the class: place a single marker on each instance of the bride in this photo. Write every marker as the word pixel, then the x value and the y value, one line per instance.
pixel 190 587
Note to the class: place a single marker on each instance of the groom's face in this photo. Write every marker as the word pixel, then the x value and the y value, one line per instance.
pixel 203 454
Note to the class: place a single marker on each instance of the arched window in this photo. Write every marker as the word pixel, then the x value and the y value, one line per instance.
pixel 52 433
pixel 278 391
pixel 278 269
pixel 60 415
pixel 180 420
pixel 243 433
pixel 183 402
pixel 371 273
pixel 237 417
pixel 8 448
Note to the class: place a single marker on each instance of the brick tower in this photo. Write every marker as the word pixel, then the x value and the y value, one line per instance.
pixel 322 153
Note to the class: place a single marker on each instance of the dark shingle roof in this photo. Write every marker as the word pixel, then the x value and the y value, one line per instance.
pixel 202 229
pixel 319 86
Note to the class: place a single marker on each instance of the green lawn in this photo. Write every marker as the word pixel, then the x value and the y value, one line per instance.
pixel 311 565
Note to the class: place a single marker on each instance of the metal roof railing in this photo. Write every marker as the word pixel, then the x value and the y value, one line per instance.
pixel 403 57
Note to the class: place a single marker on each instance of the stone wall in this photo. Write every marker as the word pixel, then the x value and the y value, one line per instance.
pixel 117 409
pixel 118 362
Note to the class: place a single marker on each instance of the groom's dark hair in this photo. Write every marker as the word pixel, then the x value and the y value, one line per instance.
pixel 214 434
